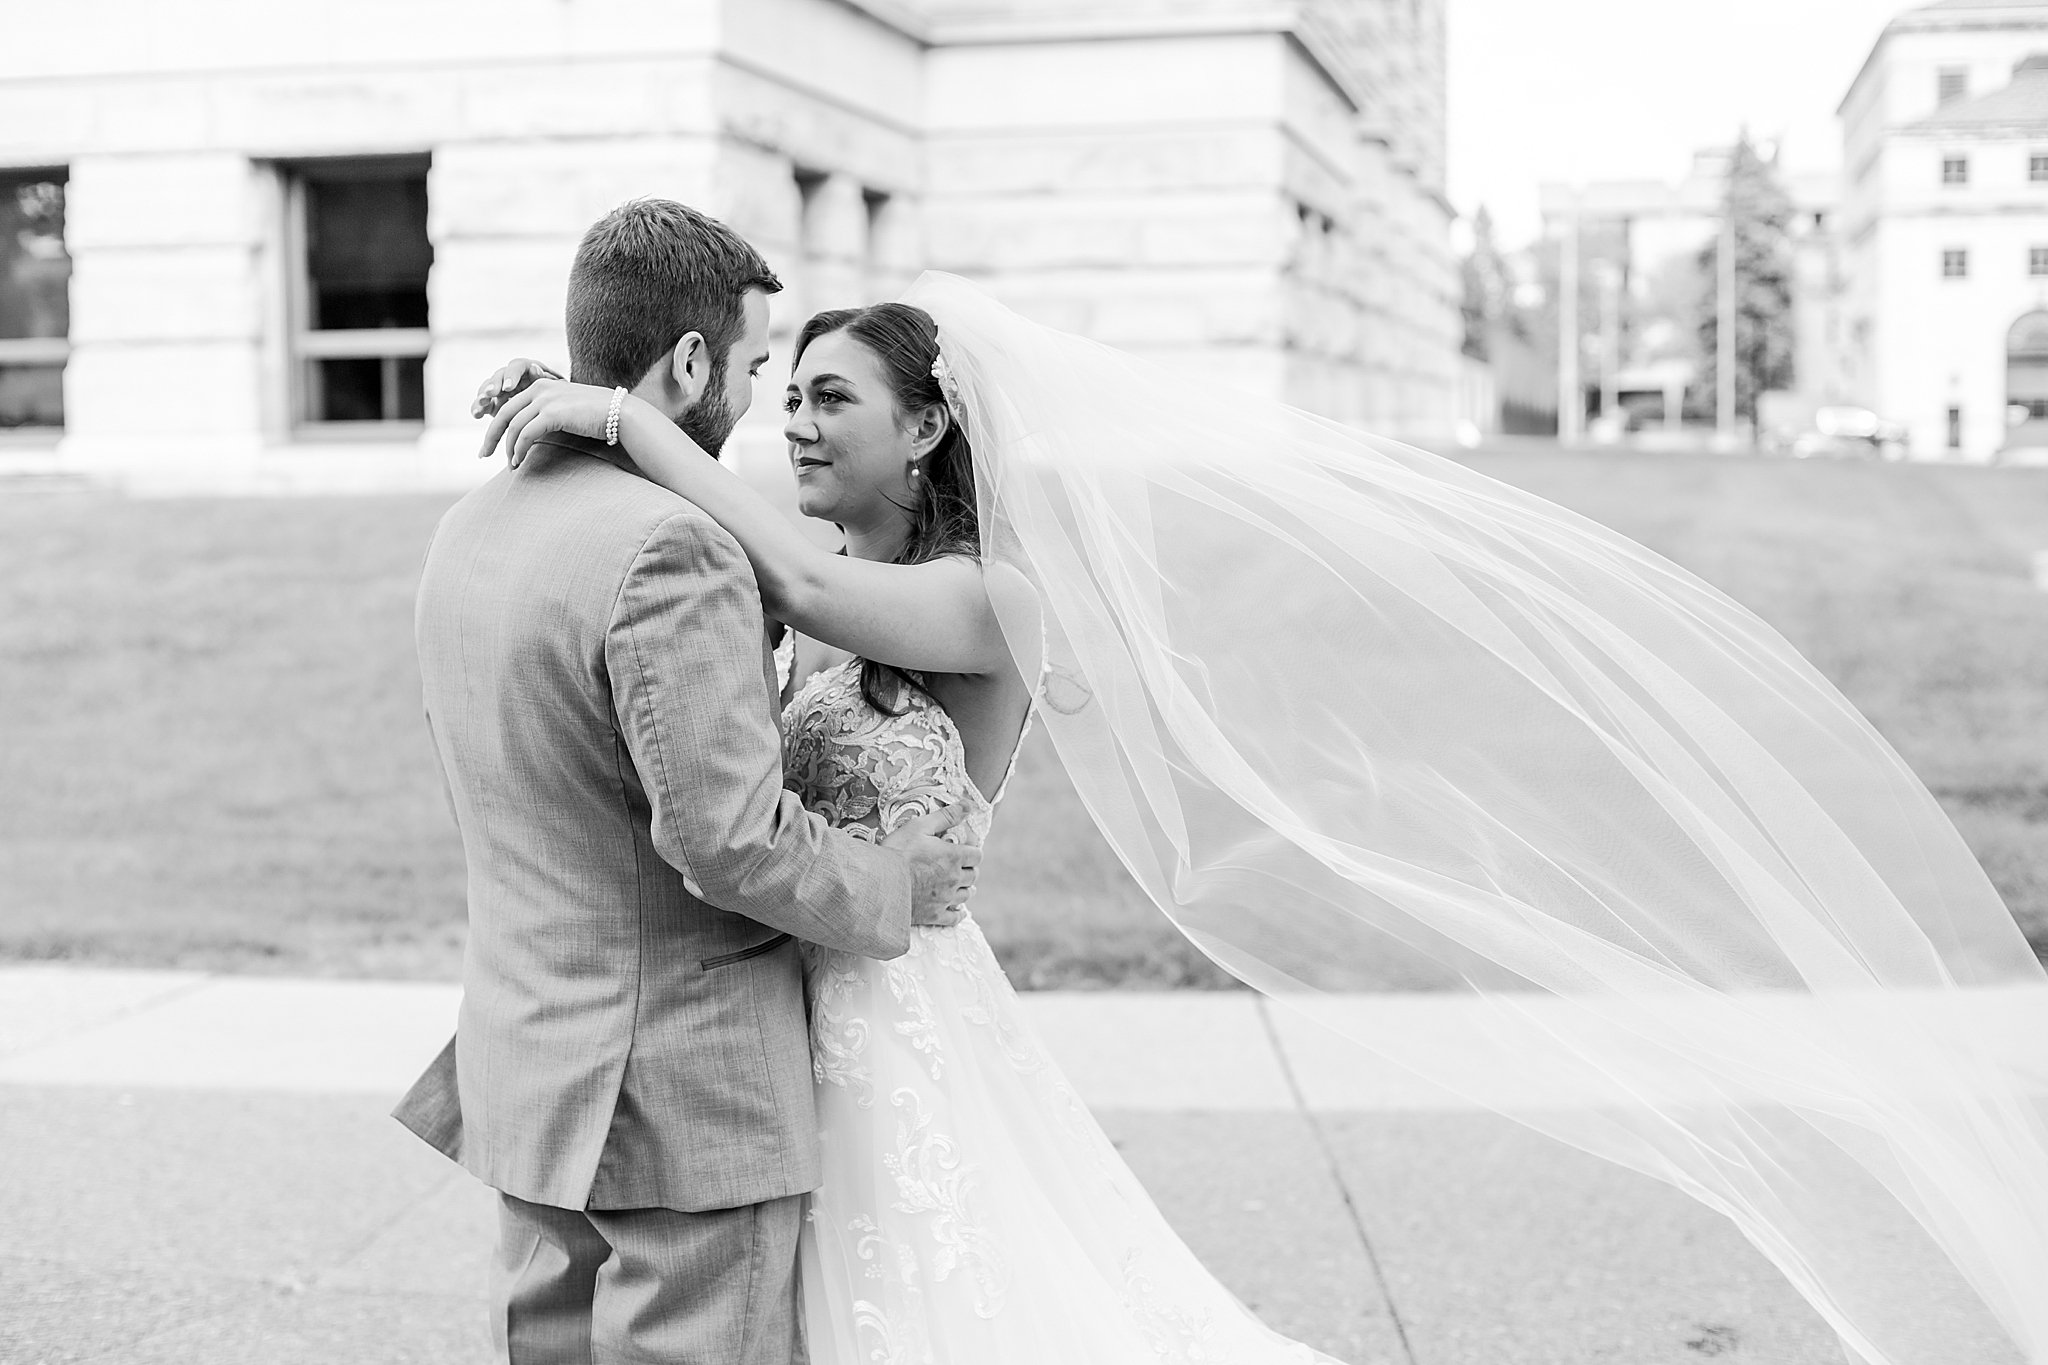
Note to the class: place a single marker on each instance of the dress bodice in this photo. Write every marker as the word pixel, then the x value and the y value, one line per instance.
pixel 866 771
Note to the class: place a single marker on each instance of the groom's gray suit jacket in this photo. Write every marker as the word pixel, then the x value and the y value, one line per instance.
pixel 632 1030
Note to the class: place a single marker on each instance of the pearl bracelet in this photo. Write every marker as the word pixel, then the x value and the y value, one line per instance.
pixel 611 416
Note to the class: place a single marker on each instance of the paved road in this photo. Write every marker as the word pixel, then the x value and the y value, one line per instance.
pixel 200 1169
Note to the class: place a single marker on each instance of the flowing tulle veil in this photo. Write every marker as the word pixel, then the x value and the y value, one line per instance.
pixel 1437 725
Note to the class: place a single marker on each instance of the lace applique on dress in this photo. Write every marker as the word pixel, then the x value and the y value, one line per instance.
pixel 868 772
pixel 934 1182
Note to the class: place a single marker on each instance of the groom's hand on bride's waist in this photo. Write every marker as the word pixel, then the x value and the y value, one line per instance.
pixel 942 872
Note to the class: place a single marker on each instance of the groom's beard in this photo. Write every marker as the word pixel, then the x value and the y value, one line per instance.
pixel 712 420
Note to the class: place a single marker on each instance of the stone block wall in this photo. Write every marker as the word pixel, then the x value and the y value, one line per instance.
pixel 167 305
pixel 1124 188
pixel 1199 182
pixel 1207 198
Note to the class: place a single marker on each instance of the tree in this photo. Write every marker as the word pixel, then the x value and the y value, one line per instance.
pixel 1485 287
pixel 1489 307
pixel 1761 212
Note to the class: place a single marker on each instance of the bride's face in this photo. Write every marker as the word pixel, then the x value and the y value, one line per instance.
pixel 850 446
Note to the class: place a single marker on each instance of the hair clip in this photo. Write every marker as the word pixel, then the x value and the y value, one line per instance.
pixel 948 385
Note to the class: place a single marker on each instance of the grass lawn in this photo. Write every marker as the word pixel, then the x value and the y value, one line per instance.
pixel 211 753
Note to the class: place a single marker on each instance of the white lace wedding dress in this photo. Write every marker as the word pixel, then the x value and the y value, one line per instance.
pixel 972 1213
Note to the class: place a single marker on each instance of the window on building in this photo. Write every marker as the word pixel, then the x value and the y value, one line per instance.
pixel 2037 167
pixel 35 300
pixel 1955 264
pixel 2026 373
pixel 359 290
pixel 878 256
pixel 1951 84
pixel 2037 260
pixel 824 277
pixel 1955 428
pixel 810 186
pixel 1955 170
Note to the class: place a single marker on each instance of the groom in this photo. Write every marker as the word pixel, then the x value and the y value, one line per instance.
pixel 631 1070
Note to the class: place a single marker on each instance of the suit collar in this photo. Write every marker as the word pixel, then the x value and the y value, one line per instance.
pixel 583 445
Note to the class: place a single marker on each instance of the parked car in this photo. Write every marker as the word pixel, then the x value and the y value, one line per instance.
pixel 1849 433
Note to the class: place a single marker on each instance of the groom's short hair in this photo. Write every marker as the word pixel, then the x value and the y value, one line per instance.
pixel 646 273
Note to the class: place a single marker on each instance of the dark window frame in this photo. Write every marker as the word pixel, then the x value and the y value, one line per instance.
pixel 1955 263
pixel 308 346
pixel 35 352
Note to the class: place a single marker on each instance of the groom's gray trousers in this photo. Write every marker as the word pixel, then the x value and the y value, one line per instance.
pixel 631 1067
pixel 646 1285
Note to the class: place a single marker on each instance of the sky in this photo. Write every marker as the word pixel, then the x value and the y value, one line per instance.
pixel 1575 90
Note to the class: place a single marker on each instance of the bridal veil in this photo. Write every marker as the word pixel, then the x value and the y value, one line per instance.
pixel 1352 713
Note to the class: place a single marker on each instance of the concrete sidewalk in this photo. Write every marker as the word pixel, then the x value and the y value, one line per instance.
pixel 200 1169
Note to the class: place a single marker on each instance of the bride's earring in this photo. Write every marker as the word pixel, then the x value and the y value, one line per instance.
pixel 913 471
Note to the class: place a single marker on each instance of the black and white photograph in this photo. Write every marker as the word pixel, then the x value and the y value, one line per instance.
pixel 1023 682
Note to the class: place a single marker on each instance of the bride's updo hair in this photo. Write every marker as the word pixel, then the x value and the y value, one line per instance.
pixel 943 517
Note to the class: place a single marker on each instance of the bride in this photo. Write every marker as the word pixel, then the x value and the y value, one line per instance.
pixel 1460 726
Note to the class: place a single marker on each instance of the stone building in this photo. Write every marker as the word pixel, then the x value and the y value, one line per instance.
pixel 298 235
pixel 1945 227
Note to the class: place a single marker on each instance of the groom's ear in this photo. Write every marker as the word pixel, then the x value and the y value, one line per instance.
pixel 690 368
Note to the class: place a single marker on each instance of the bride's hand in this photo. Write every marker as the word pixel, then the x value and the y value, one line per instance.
pixel 509 380
pixel 543 407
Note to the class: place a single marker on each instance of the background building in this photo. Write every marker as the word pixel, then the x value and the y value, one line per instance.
pixel 1646 238
pixel 295 245
pixel 1945 227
